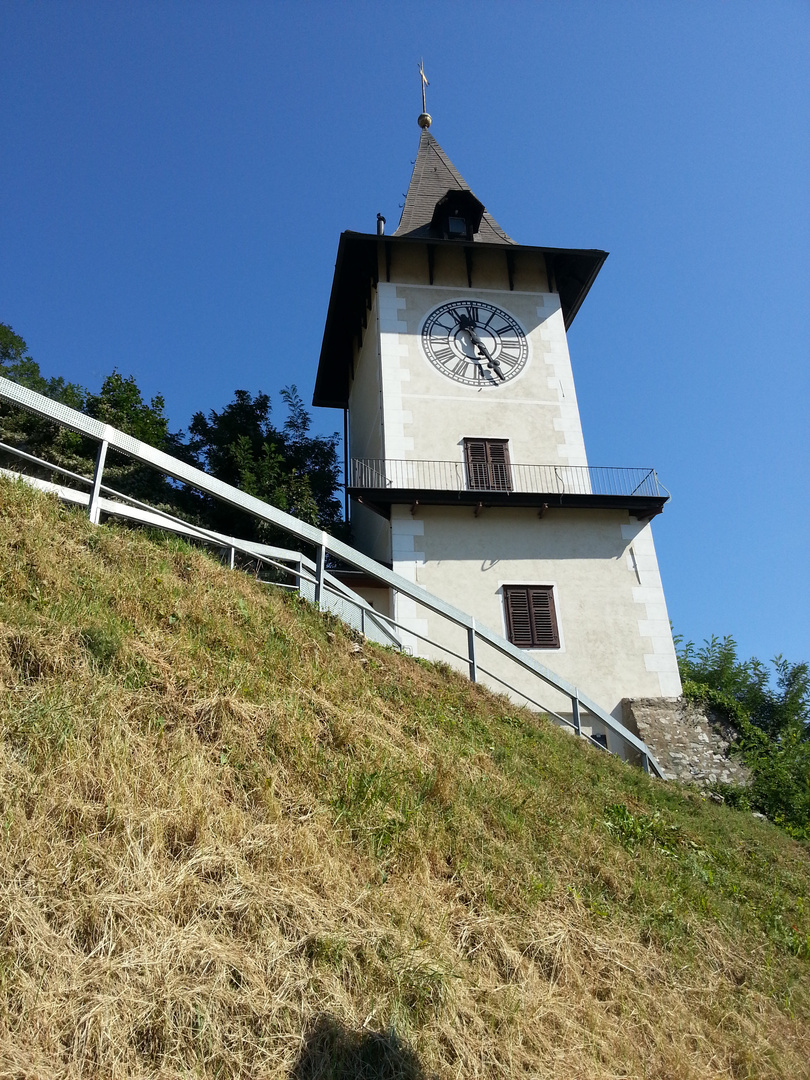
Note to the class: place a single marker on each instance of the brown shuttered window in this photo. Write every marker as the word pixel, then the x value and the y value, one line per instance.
pixel 531 621
pixel 488 467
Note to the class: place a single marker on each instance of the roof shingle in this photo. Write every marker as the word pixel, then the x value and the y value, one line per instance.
pixel 433 176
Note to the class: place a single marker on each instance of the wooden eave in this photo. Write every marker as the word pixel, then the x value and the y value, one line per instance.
pixel 570 271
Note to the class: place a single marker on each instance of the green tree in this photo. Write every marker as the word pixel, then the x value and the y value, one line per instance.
pixel 120 404
pixel 286 467
pixel 31 433
pixel 770 709
pixel 15 364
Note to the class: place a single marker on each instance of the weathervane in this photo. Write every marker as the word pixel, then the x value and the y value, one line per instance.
pixel 425 119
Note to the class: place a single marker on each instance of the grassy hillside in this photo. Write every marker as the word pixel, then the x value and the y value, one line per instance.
pixel 237 844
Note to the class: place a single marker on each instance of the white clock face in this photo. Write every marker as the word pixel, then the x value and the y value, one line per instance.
pixel 475 343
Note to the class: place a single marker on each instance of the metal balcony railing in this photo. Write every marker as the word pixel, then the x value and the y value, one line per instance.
pixel 379 474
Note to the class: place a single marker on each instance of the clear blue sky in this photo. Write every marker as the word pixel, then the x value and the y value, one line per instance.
pixel 175 177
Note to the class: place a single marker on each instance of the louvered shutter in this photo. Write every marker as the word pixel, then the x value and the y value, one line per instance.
pixel 518 620
pixel 477 466
pixel 500 473
pixel 544 618
pixel 531 620
pixel 488 467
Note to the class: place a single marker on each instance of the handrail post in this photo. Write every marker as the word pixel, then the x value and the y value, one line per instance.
pixel 363 621
pixel 575 712
pixel 320 569
pixel 232 558
pixel 299 573
pixel 94 509
pixel 471 651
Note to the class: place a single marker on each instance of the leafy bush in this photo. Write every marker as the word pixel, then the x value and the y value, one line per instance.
pixel 773 724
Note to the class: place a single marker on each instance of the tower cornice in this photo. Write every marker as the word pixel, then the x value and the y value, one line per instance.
pixel 364 259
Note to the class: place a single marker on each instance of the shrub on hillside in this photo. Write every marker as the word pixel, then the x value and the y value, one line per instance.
pixel 773 722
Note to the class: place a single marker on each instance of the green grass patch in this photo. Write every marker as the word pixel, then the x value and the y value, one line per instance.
pixel 232 849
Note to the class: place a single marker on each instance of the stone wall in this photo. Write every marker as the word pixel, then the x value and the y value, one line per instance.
pixel 690 743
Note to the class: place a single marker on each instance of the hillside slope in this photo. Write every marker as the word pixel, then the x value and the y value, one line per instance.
pixel 236 844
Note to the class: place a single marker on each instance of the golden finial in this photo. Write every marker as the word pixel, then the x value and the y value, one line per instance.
pixel 425 119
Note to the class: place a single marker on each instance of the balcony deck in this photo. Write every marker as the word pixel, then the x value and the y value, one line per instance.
pixel 381 484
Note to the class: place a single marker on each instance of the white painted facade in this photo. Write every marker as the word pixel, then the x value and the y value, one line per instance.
pixel 413 401
pixel 615 639
pixel 537 411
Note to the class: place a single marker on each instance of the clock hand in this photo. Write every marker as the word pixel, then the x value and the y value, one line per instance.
pixel 467 324
pixel 493 364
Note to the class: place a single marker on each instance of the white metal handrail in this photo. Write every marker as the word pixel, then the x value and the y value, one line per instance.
pixel 324 544
pixel 292 563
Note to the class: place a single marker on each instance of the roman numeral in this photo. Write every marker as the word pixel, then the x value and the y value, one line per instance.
pixel 461 367
pixel 444 354
pixel 514 353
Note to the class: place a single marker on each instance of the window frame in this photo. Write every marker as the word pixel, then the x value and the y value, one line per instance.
pixel 462 229
pixel 530 616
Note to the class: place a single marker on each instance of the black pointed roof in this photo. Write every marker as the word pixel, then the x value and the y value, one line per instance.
pixel 433 176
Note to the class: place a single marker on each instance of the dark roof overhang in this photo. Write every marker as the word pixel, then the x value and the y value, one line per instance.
pixel 571 273
pixel 380 500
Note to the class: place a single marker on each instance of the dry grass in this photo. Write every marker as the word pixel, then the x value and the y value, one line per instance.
pixel 234 847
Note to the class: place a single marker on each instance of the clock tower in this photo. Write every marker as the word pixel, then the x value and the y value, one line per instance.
pixel 445 344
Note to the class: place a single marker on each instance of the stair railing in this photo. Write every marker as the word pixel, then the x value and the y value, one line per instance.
pixel 326 590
